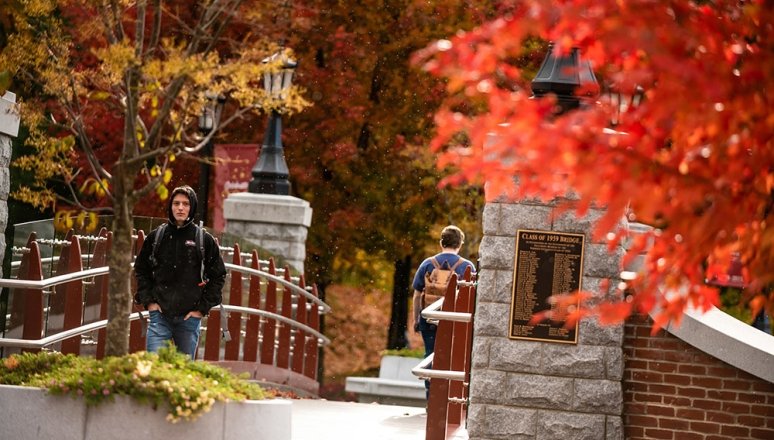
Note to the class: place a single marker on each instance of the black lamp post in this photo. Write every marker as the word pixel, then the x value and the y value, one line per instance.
pixel 208 121
pixel 562 76
pixel 270 173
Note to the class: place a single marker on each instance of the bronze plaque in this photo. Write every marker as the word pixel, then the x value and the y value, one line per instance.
pixel 547 263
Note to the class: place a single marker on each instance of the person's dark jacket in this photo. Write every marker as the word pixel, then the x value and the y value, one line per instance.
pixel 174 283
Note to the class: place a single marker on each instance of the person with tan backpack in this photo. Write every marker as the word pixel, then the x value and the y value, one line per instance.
pixel 432 278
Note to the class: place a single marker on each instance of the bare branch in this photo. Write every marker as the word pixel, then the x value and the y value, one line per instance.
pixel 109 34
pixel 139 28
pixel 115 8
pixel 220 125
pixel 75 201
pixel 223 25
pixel 152 184
pixel 172 91
pixel 79 131
pixel 156 31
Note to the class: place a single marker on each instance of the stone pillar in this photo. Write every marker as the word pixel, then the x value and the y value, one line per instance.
pixel 522 389
pixel 9 129
pixel 276 223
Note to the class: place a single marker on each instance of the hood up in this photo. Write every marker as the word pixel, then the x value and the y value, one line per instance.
pixel 188 191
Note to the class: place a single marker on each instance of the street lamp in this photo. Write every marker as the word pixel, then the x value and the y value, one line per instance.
pixel 270 173
pixel 208 121
pixel 562 76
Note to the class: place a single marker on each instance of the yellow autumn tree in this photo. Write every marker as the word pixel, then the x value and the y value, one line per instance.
pixel 149 67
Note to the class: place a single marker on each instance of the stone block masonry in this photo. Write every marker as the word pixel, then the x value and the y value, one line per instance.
pixel 9 129
pixel 276 223
pixel 711 378
pixel 523 389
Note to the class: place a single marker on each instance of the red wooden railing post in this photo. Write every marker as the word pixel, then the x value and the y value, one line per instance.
pixel 32 298
pixel 95 307
pixel 136 336
pixel 283 350
pixel 470 308
pixel 269 324
pixel 312 346
pixel 234 319
pixel 54 318
pixel 212 336
pixel 300 336
pixel 437 405
pixel 250 347
pixel 73 295
pixel 459 351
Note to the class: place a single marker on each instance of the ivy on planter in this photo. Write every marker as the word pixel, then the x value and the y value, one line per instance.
pixel 188 388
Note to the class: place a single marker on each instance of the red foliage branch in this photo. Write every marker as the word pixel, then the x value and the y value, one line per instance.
pixel 694 159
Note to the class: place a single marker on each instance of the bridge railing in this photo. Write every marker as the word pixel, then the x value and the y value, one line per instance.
pixel 273 318
pixel 450 371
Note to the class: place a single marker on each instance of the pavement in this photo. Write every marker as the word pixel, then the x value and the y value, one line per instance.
pixel 330 420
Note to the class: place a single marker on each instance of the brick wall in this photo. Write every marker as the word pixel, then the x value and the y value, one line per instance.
pixel 675 391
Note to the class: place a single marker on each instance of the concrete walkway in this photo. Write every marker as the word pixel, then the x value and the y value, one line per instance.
pixel 330 420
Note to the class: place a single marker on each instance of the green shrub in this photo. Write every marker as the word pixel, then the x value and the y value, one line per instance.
pixel 406 352
pixel 189 389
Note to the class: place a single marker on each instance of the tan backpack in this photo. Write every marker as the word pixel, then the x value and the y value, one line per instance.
pixel 436 282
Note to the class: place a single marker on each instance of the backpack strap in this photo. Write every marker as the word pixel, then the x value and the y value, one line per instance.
pixel 156 239
pixel 200 245
pixel 459 261
pixel 435 263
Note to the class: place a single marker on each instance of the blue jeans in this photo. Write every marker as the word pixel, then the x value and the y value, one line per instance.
pixel 184 333
pixel 428 332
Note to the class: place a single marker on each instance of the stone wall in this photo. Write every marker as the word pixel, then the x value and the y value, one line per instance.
pixel 9 129
pixel 5 185
pixel 711 377
pixel 276 223
pixel 540 390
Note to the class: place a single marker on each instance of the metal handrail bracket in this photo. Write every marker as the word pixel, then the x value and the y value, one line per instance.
pixel 432 312
pixel 423 372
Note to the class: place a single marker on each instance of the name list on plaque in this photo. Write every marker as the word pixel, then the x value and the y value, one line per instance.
pixel 546 263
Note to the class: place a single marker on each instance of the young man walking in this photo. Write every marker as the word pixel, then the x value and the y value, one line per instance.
pixel 180 275
pixel 452 239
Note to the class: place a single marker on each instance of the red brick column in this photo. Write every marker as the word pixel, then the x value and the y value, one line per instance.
pixel 675 391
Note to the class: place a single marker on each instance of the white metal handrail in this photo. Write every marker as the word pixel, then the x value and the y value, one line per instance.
pixel 53 281
pixel 98 271
pixel 423 372
pixel 324 308
pixel 97 325
pixel 432 312
pixel 249 311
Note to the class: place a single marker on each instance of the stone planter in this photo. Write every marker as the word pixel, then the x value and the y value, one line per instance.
pixel 30 413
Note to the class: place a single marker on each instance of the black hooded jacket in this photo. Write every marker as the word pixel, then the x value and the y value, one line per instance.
pixel 174 283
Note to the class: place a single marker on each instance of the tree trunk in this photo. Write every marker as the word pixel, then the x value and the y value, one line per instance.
pixel 120 264
pixel 397 337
